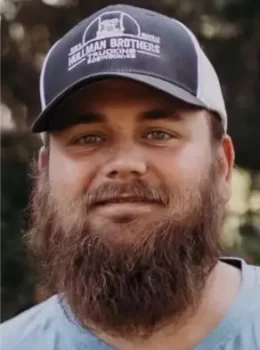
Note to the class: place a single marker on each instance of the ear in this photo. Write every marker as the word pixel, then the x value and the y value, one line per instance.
pixel 226 164
pixel 43 158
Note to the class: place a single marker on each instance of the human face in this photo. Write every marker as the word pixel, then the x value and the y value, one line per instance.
pixel 128 201
pixel 128 132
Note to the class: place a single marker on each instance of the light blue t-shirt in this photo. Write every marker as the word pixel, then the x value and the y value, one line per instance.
pixel 48 327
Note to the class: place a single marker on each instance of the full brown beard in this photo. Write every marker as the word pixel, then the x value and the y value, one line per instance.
pixel 128 288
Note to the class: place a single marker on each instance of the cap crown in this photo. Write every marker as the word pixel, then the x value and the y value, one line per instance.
pixel 127 39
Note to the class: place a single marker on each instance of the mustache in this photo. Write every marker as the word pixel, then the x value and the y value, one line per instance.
pixel 135 191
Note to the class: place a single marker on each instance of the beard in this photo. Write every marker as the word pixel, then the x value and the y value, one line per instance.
pixel 128 278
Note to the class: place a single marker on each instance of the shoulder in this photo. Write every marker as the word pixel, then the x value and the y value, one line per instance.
pixel 33 326
pixel 249 336
pixel 254 272
pixel 255 293
pixel 249 299
pixel 45 327
pixel 251 288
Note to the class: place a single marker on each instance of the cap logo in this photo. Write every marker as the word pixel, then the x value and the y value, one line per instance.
pixel 113 35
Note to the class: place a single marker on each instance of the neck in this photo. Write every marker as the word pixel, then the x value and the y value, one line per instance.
pixel 215 304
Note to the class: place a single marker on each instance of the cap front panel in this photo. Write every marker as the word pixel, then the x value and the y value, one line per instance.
pixel 122 39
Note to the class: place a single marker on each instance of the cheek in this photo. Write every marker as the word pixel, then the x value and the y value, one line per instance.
pixel 69 174
pixel 185 165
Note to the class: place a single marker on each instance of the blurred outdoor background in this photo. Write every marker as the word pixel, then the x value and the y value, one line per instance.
pixel 230 33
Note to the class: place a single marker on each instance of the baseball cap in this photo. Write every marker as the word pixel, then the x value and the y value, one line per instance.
pixel 132 43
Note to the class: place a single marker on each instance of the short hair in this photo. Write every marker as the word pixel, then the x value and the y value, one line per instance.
pixel 216 128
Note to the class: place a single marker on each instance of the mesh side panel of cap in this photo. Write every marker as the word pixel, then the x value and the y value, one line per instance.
pixel 208 88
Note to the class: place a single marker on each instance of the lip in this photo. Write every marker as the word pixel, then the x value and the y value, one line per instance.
pixel 130 208
pixel 124 200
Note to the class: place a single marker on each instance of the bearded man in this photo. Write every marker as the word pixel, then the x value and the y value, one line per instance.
pixel 131 187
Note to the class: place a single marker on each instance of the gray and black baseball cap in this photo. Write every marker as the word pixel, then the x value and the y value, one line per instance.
pixel 131 43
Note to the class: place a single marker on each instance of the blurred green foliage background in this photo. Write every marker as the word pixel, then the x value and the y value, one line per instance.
pixel 230 33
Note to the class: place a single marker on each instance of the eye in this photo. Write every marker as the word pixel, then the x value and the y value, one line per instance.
pixel 89 139
pixel 159 135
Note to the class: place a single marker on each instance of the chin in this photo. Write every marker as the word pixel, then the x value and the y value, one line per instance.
pixel 123 230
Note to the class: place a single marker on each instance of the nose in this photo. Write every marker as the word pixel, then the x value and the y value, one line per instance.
pixel 125 166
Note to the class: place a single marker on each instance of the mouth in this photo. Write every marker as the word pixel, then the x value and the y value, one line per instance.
pixel 124 208
pixel 123 200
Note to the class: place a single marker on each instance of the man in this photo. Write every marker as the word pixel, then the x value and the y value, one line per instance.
pixel 131 187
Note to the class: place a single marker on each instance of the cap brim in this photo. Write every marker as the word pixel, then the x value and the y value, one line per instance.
pixel 43 122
